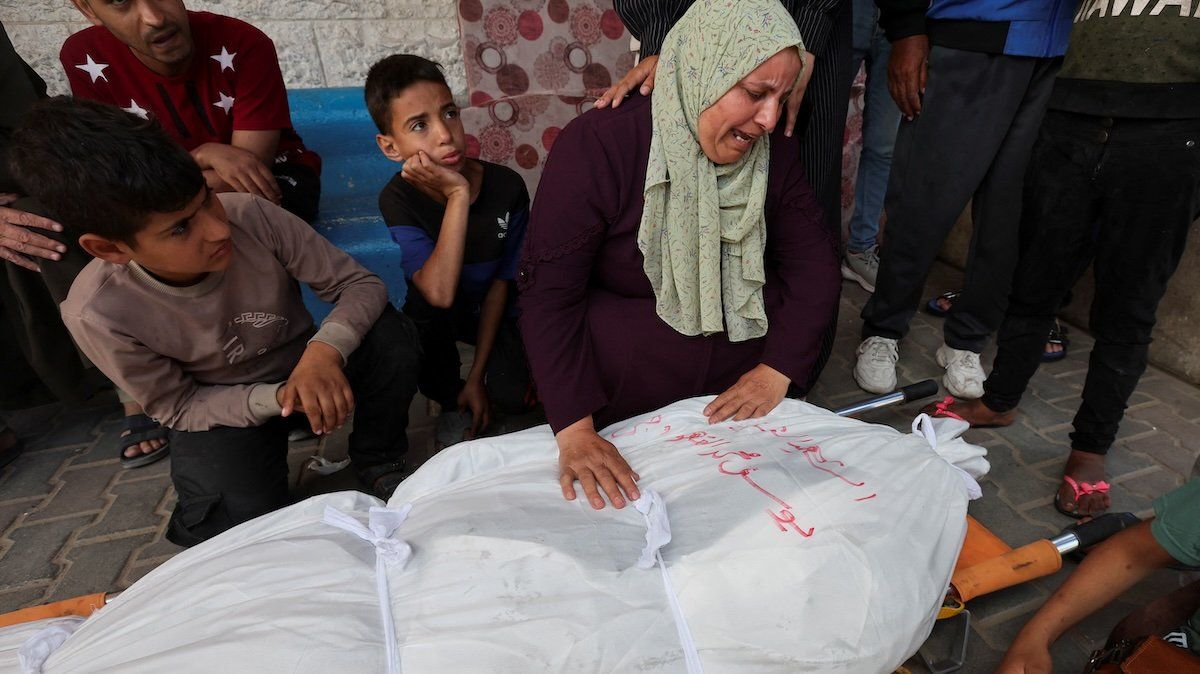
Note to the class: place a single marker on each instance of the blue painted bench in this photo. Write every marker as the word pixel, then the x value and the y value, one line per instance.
pixel 335 124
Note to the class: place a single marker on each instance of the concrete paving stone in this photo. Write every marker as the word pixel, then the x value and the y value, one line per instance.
pixel 1050 520
pixel 12 512
pixel 1125 456
pixel 96 567
pixel 1051 389
pixel 133 507
pixel 985 437
pixel 134 573
pixel 1153 484
pixel 1167 451
pixel 1072 375
pixel 1137 461
pixel 1033 447
pixel 1162 417
pixel 1068 655
pixel 34 549
pixel 27 596
pixel 157 551
pixel 31 473
pixel 1037 413
pixel 1018 483
pixel 71 427
pixel 1124 500
pixel 925 338
pixel 82 490
pixel 1139 399
pixel 1002 605
pixel 1182 397
pixel 1005 521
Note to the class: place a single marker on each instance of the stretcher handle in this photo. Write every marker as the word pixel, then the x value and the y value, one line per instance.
pixel 1085 535
pixel 922 389
pixel 81 606
pixel 1040 558
pixel 904 394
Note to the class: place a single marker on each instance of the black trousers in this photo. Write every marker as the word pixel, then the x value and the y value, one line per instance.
pixel 979 119
pixel 1117 193
pixel 506 376
pixel 46 358
pixel 821 130
pixel 300 187
pixel 226 476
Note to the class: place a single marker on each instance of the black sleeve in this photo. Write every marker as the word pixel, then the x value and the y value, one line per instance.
pixel 902 18
pixel 20 88
pixel 650 20
pixel 814 18
pixel 393 206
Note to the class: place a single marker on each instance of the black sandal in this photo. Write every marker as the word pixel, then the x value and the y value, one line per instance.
pixel 932 308
pixel 1058 335
pixel 141 429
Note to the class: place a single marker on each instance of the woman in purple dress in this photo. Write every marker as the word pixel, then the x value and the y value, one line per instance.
pixel 674 249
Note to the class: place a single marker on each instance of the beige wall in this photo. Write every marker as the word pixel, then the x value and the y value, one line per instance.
pixel 321 43
pixel 1176 337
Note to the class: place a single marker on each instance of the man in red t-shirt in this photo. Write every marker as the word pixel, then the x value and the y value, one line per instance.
pixel 211 81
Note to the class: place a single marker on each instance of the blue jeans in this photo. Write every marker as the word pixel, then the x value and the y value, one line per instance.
pixel 881 118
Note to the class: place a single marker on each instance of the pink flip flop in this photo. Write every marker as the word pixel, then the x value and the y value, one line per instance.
pixel 1079 489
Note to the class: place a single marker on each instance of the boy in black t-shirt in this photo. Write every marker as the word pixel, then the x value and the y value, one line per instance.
pixel 459 223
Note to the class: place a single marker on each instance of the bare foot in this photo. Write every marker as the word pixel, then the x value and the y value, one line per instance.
pixel 973 412
pixel 146 447
pixel 944 304
pixel 1053 348
pixel 1083 467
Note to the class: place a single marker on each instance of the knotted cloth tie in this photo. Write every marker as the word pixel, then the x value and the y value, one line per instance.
pixel 382 523
pixel 658 534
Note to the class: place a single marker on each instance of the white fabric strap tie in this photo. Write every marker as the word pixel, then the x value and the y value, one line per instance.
pixel 39 647
pixel 658 534
pixel 923 425
pixel 382 523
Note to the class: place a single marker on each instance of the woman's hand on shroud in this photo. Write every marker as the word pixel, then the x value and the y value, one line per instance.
pixel 585 457
pixel 754 395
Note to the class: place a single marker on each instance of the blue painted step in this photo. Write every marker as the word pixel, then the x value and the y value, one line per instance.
pixel 335 124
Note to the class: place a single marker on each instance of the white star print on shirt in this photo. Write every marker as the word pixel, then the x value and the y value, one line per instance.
pixel 136 109
pixel 225 103
pixel 96 70
pixel 225 59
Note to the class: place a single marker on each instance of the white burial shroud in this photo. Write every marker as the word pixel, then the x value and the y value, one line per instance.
pixel 794 543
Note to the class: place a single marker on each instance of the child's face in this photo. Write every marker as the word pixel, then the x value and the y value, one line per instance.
pixel 424 117
pixel 183 246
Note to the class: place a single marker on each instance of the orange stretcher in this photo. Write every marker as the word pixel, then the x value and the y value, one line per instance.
pixel 985 563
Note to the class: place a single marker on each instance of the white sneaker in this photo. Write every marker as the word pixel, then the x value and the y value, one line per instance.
pixel 862 268
pixel 964 375
pixel 875 370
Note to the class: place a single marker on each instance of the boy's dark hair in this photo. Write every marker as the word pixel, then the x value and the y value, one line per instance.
pixel 390 76
pixel 99 169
